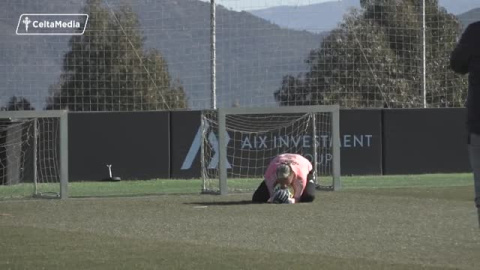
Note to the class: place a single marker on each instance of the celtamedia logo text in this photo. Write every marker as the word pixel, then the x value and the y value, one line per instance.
pixel 52 24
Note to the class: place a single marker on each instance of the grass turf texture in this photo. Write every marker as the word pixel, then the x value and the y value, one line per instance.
pixel 395 222
pixel 159 186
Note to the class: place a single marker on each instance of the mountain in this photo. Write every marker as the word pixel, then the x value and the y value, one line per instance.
pixel 325 16
pixel 459 6
pixel 469 16
pixel 252 53
pixel 315 18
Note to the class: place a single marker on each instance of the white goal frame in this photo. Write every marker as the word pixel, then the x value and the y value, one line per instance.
pixel 334 111
pixel 62 115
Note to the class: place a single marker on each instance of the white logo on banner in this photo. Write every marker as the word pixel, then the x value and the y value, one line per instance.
pixel 276 142
pixel 52 24
pixel 195 148
pixel 26 21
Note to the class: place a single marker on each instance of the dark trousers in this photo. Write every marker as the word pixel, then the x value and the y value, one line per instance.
pixel 261 195
pixel 474 156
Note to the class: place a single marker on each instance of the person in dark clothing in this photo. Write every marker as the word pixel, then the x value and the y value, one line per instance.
pixel 465 58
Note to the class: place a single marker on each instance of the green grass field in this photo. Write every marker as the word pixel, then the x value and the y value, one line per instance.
pixel 394 222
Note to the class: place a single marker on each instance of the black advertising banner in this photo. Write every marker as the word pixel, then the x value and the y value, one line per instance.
pixel 361 142
pixel 146 145
pixel 361 150
pixel 425 141
pixel 185 144
pixel 136 144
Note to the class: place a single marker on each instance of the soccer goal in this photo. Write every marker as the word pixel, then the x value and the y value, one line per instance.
pixel 239 143
pixel 33 154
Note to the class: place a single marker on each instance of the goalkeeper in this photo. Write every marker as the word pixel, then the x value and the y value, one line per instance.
pixel 287 171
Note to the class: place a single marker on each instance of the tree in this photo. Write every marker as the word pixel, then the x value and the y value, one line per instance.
pixel 293 92
pixel 375 59
pixel 107 68
pixel 18 104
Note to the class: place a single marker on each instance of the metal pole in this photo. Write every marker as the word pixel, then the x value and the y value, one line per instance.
pixel 214 56
pixel 35 153
pixel 202 153
pixel 222 152
pixel 64 155
pixel 337 185
pixel 424 57
pixel 315 148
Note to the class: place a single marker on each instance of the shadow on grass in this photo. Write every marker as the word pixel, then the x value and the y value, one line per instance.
pixel 242 202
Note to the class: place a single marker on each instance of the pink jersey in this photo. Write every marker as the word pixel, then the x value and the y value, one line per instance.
pixel 300 167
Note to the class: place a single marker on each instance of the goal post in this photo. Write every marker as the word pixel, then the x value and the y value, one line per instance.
pixel 34 154
pixel 248 138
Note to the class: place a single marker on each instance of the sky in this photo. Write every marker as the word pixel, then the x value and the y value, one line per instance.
pixel 261 4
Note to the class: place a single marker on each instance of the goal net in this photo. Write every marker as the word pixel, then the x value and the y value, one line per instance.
pixel 239 143
pixel 33 154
